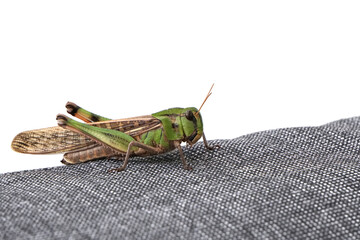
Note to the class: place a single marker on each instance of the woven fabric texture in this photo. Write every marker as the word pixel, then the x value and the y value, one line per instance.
pixel 291 183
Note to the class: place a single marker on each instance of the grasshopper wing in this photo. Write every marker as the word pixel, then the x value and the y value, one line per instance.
pixel 49 140
pixel 59 140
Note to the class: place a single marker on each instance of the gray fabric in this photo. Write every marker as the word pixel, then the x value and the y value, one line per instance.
pixel 292 183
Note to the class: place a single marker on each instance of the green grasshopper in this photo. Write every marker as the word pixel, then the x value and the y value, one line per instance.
pixel 101 137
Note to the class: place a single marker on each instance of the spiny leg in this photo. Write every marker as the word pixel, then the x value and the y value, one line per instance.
pixel 83 114
pixel 207 145
pixel 183 160
pixel 148 148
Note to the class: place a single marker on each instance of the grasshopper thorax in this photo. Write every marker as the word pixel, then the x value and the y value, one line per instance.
pixel 181 124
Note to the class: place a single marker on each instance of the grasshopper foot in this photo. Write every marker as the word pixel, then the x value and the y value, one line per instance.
pixel 188 167
pixel 213 147
pixel 208 146
pixel 117 169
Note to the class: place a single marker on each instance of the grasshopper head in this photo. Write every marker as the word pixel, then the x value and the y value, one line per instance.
pixel 192 125
pixel 184 124
pixel 192 122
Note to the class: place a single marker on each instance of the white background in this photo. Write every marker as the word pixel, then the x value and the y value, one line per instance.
pixel 274 63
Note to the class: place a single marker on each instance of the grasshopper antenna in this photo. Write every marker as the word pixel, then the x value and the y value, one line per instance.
pixel 207 96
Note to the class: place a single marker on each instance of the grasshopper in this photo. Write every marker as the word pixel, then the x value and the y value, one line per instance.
pixel 101 137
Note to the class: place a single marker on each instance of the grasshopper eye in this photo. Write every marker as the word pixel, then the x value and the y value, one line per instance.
pixel 189 115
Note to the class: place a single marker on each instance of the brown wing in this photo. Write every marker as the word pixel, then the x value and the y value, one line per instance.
pixel 59 140
pixel 49 140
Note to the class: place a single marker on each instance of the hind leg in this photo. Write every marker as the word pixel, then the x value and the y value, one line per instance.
pixel 83 114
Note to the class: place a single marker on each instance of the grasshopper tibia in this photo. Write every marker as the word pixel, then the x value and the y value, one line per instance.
pixel 183 160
